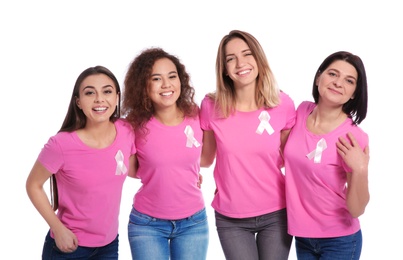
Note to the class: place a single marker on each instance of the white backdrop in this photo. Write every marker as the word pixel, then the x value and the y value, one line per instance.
pixel 46 44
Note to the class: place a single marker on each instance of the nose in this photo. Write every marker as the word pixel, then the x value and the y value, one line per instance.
pixel 166 83
pixel 338 82
pixel 240 61
pixel 98 98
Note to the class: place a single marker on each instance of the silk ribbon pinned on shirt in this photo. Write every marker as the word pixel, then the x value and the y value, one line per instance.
pixel 264 124
pixel 317 153
pixel 120 165
pixel 190 139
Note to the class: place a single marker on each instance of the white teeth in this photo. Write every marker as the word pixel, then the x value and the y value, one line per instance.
pixel 167 93
pixel 100 108
pixel 243 72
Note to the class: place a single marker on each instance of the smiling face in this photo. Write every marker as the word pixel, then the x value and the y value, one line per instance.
pixel 337 84
pixel 164 86
pixel 241 66
pixel 97 98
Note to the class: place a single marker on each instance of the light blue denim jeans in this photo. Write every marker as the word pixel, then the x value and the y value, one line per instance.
pixel 334 248
pixel 107 252
pixel 158 239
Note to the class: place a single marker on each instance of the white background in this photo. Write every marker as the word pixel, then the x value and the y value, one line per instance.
pixel 44 46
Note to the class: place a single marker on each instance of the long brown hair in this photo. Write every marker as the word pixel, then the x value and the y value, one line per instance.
pixel 267 92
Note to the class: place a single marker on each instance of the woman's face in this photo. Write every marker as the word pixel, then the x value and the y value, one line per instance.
pixel 97 98
pixel 337 84
pixel 164 87
pixel 241 66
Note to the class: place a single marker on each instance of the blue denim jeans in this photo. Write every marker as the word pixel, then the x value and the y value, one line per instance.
pixel 108 252
pixel 261 237
pixel 158 239
pixel 334 248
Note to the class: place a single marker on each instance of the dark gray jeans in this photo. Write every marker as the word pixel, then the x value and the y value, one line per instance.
pixel 263 237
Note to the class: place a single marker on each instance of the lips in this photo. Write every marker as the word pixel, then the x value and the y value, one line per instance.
pixel 243 72
pixel 167 93
pixel 100 109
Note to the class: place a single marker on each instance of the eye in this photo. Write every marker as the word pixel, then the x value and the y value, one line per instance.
pixel 332 74
pixel 155 79
pixel 173 76
pixel 229 59
pixel 88 93
pixel 350 81
pixel 248 53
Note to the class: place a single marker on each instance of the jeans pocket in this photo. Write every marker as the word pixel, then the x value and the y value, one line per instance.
pixel 199 216
pixel 138 218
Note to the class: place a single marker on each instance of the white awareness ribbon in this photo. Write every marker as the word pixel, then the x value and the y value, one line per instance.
pixel 190 139
pixel 317 153
pixel 264 118
pixel 120 165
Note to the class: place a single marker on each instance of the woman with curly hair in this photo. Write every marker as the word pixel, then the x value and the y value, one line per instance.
pixel 168 218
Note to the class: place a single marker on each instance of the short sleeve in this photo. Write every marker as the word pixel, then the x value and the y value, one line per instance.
pixel 206 108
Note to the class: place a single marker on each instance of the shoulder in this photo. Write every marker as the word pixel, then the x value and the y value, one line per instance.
pixel 285 96
pixel 361 136
pixel 122 122
pixel 208 98
pixel 207 101
pixel 286 100
pixel 123 125
pixel 306 105
pixel 60 137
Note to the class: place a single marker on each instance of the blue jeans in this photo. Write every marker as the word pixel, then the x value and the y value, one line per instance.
pixel 108 252
pixel 334 248
pixel 158 239
pixel 261 237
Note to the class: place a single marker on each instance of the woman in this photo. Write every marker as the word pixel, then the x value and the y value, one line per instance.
pixel 168 219
pixel 246 122
pixel 89 158
pixel 326 167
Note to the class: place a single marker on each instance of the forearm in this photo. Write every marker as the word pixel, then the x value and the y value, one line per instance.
pixel 358 192
pixel 41 202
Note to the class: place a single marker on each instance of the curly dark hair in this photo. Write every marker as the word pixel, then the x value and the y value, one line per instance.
pixel 136 105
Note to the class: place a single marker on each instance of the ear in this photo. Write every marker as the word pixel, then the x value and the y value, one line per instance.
pixel 317 81
pixel 78 102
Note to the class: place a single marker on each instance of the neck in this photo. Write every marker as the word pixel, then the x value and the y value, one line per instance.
pixel 170 117
pixel 98 135
pixel 323 121
pixel 245 99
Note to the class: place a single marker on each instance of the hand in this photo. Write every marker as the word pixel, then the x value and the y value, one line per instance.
pixel 199 183
pixel 353 155
pixel 65 240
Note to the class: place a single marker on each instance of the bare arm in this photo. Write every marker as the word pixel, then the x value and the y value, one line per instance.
pixel 66 241
pixel 283 139
pixel 357 181
pixel 133 166
pixel 209 149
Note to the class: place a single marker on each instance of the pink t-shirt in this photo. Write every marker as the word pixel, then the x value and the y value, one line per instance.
pixel 89 182
pixel 316 180
pixel 169 166
pixel 248 163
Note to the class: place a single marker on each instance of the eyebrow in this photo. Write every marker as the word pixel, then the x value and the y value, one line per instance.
pixel 92 87
pixel 348 76
pixel 232 54
pixel 159 74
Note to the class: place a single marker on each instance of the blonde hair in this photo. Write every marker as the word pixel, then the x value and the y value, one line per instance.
pixel 267 93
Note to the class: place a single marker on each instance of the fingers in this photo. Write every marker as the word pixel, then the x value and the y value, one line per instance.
pixel 352 139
